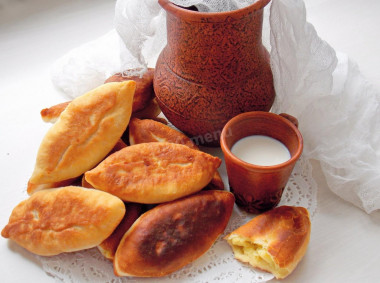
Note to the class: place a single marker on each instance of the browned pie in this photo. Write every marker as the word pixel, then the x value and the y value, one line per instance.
pixel 274 241
pixel 147 130
pixel 65 219
pixel 84 134
pixel 154 172
pixel 52 113
pixel 108 246
pixel 171 235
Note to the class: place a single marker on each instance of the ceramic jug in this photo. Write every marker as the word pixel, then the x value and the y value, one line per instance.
pixel 213 68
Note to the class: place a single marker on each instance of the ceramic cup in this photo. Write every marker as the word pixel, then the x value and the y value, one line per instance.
pixel 259 188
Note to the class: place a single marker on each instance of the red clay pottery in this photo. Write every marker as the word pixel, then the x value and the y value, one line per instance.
pixel 213 68
pixel 259 188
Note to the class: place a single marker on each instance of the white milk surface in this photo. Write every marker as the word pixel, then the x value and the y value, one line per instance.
pixel 261 150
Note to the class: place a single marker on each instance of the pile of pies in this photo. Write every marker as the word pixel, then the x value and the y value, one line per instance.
pixel 110 174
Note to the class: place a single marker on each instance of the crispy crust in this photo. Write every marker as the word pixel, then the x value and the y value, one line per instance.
pixel 281 236
pixel 144 88
pixel 64 220
pixel 216 183
pixel 37 187
pixel 143 97
pixel 151 111
pixel 118 146
pixel 51 114
pixel 171 235
pixel 83 135
pixel 86 184
pixel 142 131
pixel 161 120
pixel 108 246
pixel 154 172
pixel 74 181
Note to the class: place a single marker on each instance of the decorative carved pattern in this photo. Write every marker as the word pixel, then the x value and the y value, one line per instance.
pixel 252 205
pixel 212 69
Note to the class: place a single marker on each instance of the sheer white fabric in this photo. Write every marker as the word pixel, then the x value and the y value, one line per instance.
pixel 338 110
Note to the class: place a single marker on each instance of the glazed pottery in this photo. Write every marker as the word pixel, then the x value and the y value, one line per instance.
pixel 259 188
pixel 213 68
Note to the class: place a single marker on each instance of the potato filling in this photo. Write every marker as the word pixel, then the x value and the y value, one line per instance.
pixel 252 253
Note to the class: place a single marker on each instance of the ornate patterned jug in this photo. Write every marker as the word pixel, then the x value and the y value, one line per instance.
pixel 213 67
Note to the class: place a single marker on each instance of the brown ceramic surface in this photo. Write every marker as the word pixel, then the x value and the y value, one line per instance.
pixel 259 188
pixel 213 67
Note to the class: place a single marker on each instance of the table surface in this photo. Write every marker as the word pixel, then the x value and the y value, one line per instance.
pixel 344 245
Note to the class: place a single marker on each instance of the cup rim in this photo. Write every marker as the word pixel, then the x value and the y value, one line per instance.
pixel 239 117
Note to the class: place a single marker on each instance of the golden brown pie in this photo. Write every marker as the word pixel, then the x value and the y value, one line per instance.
pixel 144 94
pixel 84 134
pixel 108 246
pixel 65 219
pixel 51 114
pixel 173 234
pixel 147 130
pixel 216 183
pixel 151 111
pixel 274 241
pixel 154 172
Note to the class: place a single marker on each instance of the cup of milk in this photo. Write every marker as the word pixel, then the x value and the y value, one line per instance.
pixel 260 151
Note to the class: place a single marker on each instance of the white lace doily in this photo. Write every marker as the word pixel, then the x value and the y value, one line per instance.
pixel 216 265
